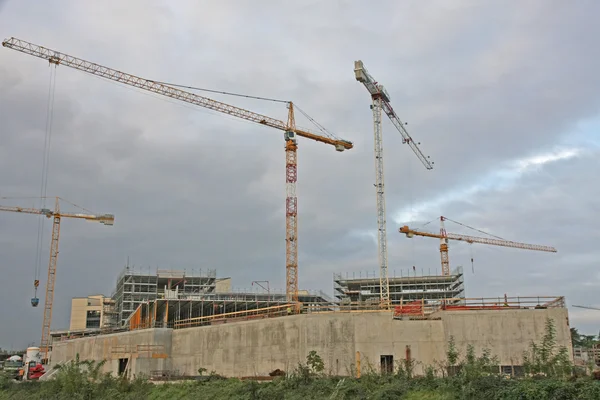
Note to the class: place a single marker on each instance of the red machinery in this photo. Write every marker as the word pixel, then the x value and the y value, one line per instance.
pixel 35 371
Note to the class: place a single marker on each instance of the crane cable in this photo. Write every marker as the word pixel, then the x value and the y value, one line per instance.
pixel 471 244
pixel 475 229
pixel 44 178
pixel 221 92
pixel 320 127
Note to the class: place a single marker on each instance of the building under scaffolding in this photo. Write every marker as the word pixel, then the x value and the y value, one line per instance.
pixel 365 288
pixel 137 286
pixel 180 310
pixel 160 297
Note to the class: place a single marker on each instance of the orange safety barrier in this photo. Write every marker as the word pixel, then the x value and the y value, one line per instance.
pixel 412 308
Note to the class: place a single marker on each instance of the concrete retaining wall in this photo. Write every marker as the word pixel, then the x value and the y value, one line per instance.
pixel 119 346
pixel 258 347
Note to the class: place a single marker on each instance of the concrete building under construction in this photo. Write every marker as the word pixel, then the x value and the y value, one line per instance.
pixel 171 323
pixel 258 341
pixel 136 286
pixel 161 296
pixel 364 288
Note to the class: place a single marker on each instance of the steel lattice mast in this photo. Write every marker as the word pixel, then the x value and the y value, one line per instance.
pixel 381 101
pixel 56 215
pixel 291 210
pixel 289 127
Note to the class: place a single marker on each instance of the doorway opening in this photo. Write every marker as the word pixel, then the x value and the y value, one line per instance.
pixel 122 365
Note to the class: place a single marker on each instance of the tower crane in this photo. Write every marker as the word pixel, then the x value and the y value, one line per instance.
pixel 381 101
pixel 289 129
pixel 445 236
pixel 56 215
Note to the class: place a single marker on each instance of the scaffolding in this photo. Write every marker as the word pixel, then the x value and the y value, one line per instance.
pixel 163 313
pixel 109 314
pixel 136 286
pixel 364 288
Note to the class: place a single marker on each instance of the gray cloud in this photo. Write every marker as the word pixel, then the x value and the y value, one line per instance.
pixel 479 83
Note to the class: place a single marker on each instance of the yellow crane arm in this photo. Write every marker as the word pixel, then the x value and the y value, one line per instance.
pixel 474 239
pixel 106 219
pixel 46 212
pixel 57 58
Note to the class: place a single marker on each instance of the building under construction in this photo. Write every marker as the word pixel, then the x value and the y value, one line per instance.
pixel 364 288
pixel 137 286
pixel 158 297
pixel 173 323
pixel 261 340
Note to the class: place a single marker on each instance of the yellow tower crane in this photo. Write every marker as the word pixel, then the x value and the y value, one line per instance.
pixel 445 236
pixel 56 215
pixel 289 129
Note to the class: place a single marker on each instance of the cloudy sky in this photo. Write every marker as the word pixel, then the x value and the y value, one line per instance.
pixel 503 98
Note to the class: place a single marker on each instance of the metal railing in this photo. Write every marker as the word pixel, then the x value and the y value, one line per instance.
pixel 418 309
pixel 237 316
pixel 415 309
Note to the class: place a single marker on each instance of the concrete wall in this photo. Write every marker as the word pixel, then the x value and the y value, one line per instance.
pixel 104 347
pixel 258 347
pixel 223 285
pixel 506 333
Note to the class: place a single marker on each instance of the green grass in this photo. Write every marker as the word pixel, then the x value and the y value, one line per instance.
pixel 428 395
pixel 68 385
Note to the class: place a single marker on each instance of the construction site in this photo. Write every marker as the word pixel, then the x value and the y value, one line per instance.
pixel 169 322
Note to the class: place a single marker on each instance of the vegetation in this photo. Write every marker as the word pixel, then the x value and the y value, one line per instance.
pixel 586 341
pixel 548 376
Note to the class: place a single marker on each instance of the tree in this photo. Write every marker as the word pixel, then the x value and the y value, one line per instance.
pixel 581 340
pixel 588 341
pixel 547 357
pixel 576 337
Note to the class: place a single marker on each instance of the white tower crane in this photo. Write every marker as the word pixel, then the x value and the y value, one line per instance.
pixel 381 100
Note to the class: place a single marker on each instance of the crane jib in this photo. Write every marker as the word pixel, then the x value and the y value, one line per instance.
pixel 58 58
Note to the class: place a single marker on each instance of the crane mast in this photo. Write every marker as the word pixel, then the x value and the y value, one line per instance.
pixel 291 210
pixel 381 102
pixel 50 282
pixel 289 129
pixel 444 248
pixel 56 215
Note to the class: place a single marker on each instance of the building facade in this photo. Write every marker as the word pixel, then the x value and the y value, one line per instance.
pixel 92 312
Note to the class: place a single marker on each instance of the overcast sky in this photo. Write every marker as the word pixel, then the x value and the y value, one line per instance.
pixel 503 98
